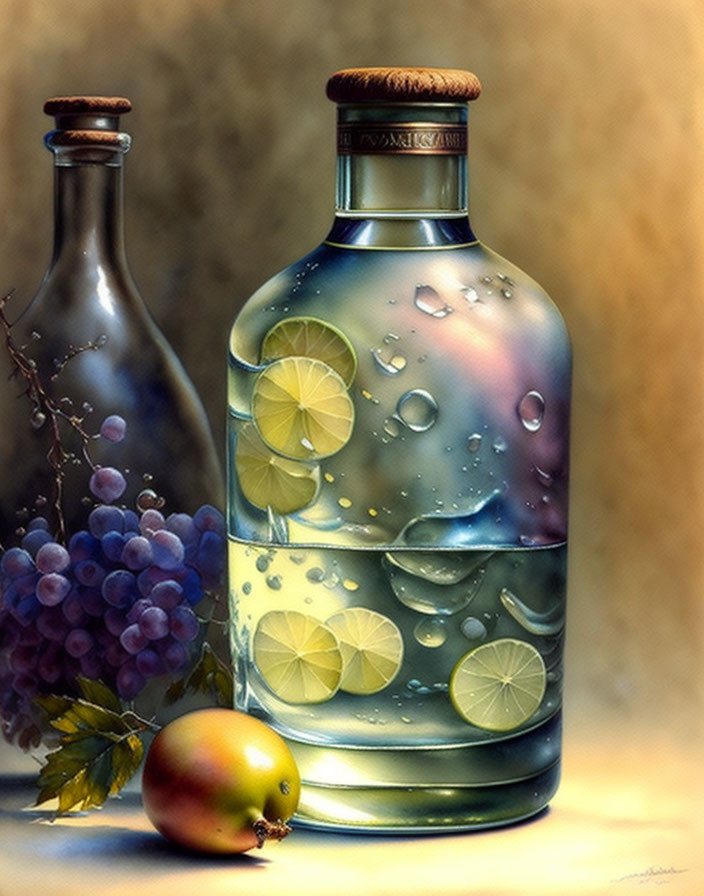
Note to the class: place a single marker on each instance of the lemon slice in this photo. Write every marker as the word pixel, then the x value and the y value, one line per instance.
pixel 297 656
pixel 302 409
pixel 499 685
pixel 371 646
pixel 269 480
pixel 309 337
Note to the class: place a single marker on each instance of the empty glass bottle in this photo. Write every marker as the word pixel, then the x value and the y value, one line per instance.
pixel 398 449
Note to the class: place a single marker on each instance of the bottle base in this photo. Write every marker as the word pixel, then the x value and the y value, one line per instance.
pixel 428 790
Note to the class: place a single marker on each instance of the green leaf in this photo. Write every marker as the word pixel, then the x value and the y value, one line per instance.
pixel 100 748
pixel 209 676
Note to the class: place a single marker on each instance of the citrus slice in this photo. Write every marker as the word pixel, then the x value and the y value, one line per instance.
pixel 302 409
pixel 309 337
pixel 297 656
pixel 269 480
pixel 371 647
pixel 499 685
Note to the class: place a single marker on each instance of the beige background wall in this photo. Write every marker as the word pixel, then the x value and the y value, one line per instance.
pixel 587 170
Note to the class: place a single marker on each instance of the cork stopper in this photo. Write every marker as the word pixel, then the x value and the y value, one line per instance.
pixel 403 85
pixel 90 121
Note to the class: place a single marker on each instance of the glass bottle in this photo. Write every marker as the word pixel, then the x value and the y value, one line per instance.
pixel 102 413
pixel 397 497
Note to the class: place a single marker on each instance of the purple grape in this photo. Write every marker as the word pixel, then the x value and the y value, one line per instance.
pixel 167 594
pixel 26 609
pixel 137 608
pixel 129 681
pixel 25 684
pixel 78 642
pixel 107 484
pixel 137 552
pixel 24 658
pixel 50 666
pixel 113 428
pixel 182 524
pixel 83 546
pixel 174 654
pixel 167 549
pixel 52 588
pixel 73 609
pixel 115 655
pixel 132 639
pixel 154 623
pixel 39 522
pixel 26 585
pixel 111 545
pixel 149 663
pixel 192 586
pixel 89 572
pixel 105 518
pixel 91 601
pixel 51 624
pixel 184 624
pixel 30 635
pixel 151 521
pixel 52 557
pixel 131 521
pixel 150 577
pixel 115 621
pixel 119 588
pixel 91 664
pixel 210 559
pixel 16 563
pixel 33 540
pixel 209 519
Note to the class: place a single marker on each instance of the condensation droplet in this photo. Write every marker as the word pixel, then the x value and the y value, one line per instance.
pixel 473 629
pixel 474 442
pixel 470 294
pixel 417 409
pixel 274 582
pixel 367 394
pixel 430 632
pixel 429 301
pixel 543 478
pixel 328 477
pixel 531 410
pixel 246 588
pixel 148 499
pixel 344 502
pixel 38 419
pixel 392 426
pixel 350 585
pixel 262 563
pixel 315 574
pixel 388 362
pixel 499 445
pixel 373 511
pixel 506 293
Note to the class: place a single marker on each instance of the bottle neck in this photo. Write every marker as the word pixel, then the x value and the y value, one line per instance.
pixel 401 175
pixel 88 207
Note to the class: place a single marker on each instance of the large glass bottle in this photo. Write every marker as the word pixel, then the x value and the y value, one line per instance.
pixel 98 411
pixel 398 450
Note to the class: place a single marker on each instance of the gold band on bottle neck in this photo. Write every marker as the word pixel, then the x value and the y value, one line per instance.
pixel 407 138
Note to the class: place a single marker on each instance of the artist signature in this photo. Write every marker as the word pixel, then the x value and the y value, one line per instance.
pixel 655 874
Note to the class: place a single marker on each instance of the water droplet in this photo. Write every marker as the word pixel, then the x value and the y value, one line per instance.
pixel 390 337
pixel 543 477
pixel 344 502
pixel 392 426
pixel 429 301
pixel 367 394
pixel 474 442
pixel 274 582
pixel 373 511
pixel 441 590
pixel 506 293
pixel 417 409
pixel 486 279
pixel 388 362
pixel 328 477
pixel 499 445
pixel 471 294
pixel 246 588
pixel 430 632
pixel 350 585
pixel 531 410
pixel 262 563
pixel 406 720
pixel 473 629
pixel 148 499
pixel 315 574
pixel 38 419
pixel 307 600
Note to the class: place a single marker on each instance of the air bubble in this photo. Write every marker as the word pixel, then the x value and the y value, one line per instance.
pixel 389 361
pixel 315 574
pixel 531 410
pixel 262 563
pixel 417 409
pixel 473 629
pixel 430 632
pixel 429 301
pixel 474 442
pixel 274 582
pixel 246 588
pixel 350 585
pixel 344 502
pixel 499 445
pixel 392 426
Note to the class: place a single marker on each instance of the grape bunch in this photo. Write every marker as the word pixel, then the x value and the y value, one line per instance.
pixel 116 603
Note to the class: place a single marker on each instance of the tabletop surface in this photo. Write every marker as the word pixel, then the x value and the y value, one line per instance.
pixel 626 819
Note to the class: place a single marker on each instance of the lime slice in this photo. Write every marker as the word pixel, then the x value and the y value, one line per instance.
pixel 371 646
pixel 302 409
pixel 309 337
pixel 269 480
pixel 297 656
pixel 498 685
